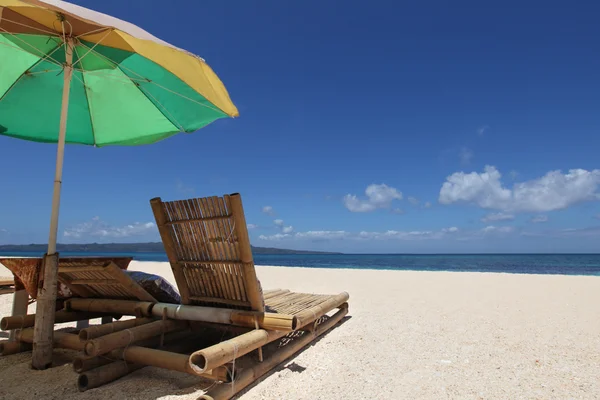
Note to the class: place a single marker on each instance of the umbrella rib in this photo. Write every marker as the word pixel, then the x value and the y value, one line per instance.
pixel 123 68
pixel 42 54
pixel 31 66
pixel 31 27
pixel 86 99
pixel 109 60
pixel 93 31
pixel 92 48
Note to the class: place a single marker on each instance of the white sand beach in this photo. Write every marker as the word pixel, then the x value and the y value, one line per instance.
pixel 409 335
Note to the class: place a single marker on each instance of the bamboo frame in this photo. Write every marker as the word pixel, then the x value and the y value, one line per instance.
pixel 27 321
pixel 105 329
pixel 249 375
pixel 316 312
pixel 132 335
pixel 109 306
pixel 105 374
pixel 8 347
pixel 234 202
pixel 268 321
pixel 84 363
pixel 225 352
pixel 62 340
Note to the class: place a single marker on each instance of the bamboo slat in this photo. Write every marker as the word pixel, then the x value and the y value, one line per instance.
pixel 241 232
pixel 106 280
pixel 318 310
pixel 159 210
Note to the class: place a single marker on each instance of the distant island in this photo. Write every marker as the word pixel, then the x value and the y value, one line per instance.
pixel 150 247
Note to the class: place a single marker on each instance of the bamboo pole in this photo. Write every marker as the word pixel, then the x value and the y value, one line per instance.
pixel 241 232
pixel 142 357
pixel 101 330
pixel 8 347
pixel 62 340
pixel 225 352
pixel 316 312
pixel 268 321
pixel 129 336
pixel 249 375
pixel 85 363
pixel 121 307
pixel 105 374
pixel 27 321
pixel 46 298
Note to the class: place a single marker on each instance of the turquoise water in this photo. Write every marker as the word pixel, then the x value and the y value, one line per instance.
pixel 564 264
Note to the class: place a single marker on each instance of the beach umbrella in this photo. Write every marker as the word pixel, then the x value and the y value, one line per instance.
pixel 72 75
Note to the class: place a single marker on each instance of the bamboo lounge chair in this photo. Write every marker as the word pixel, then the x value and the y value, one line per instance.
pixel 89 277
pixel 207 244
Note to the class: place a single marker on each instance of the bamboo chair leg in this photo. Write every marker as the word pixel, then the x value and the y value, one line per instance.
pixel 260 351
pixel 20 305
pixel 106 320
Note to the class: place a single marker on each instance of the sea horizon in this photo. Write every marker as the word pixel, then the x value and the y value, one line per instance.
pixel 515 263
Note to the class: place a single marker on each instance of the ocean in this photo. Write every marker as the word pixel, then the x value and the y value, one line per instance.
pixel 562 264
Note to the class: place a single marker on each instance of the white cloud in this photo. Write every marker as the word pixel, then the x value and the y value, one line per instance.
pixel 569 232
pixel 268 210
pixel 378 196
pixel 498 217
pixel 287 229
pixel 364 235
pixel 539 219
pixel 323 235
pixel 427 204
pixel 465 155
pixel 481 130
pixel 413 200
pixel 277 236
pixel 251 226
pixel 398 211
pixel 3 230
pixel 278 222
pixel 513 174
pixel 98 228
pixel 553 191
pixel 500 229
pixel 452 229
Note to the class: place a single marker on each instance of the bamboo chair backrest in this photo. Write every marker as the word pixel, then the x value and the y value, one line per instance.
pixel 84 276
pixel 207 243
pixel 100 278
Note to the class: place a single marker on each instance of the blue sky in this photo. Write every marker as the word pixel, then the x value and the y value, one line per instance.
pixel 365 127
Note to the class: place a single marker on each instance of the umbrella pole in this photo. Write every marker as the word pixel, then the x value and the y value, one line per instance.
pixel 46 298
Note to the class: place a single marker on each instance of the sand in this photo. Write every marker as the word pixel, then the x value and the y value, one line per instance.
pixel 409 335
